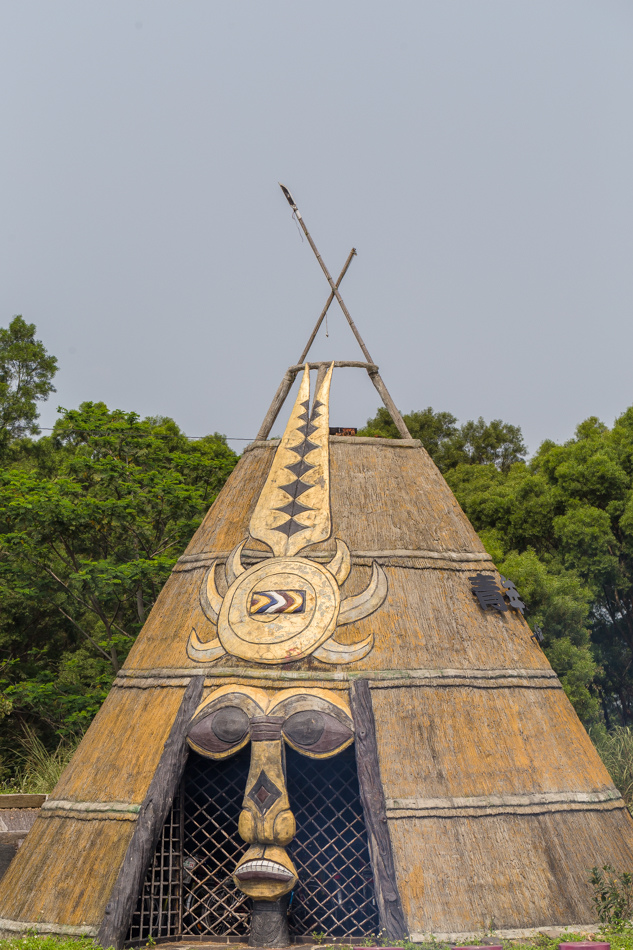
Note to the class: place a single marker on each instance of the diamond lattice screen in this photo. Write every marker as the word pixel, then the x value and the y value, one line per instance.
pixel 189 890
pixel 335 894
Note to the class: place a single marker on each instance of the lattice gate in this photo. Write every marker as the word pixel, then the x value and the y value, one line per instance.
pixel 188 889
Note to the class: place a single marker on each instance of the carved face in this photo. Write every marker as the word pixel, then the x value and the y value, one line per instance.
pixel 316 723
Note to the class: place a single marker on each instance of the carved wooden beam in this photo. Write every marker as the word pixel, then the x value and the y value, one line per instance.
pixel 392 919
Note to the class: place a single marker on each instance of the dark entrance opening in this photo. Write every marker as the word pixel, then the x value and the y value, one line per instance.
pixel 188 889
pixel 335 894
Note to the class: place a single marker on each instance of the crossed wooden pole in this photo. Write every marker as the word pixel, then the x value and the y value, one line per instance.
pixel 369 365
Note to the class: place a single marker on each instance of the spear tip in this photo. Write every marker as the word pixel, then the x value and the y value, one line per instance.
pixel 289 197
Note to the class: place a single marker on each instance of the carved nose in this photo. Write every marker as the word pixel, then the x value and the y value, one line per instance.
pixel 266 817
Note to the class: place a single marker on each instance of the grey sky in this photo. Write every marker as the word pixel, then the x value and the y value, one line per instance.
pixel 479 156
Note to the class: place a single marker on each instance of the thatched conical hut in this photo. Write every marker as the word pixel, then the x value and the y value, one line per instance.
pixel 334 718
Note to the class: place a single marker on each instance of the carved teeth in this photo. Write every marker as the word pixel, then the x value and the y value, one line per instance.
pixel 263 868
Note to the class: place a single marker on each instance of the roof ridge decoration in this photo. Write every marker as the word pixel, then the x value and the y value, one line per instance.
pixel 369 365
pixel 288 607
pixel 294 507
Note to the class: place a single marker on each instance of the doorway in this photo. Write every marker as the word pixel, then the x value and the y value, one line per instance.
pixel 188 889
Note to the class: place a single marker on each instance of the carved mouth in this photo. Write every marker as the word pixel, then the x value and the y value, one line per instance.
pixel 263 870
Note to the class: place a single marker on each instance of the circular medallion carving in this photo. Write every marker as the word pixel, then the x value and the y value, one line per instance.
pixel 281 609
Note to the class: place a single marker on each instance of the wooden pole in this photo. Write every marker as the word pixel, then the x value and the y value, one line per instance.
pixel 372 796
pixel 280 397
pixel 328 277
pixel 401 425
pixel 375 378
pixel 286 383
pixel 302 358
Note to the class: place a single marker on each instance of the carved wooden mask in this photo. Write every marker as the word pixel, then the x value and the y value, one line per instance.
pixel 314 722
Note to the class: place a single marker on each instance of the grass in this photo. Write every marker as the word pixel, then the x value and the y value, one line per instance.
pixel 38 769
pixel 618 941
pixel 615 748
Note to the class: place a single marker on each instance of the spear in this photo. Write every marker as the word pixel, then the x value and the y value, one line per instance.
pixel 286 384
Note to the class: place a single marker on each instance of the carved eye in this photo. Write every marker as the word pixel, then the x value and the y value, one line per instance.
pixel 316 733
pixel 220 732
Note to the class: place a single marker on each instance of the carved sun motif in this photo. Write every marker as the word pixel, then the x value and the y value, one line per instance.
pixel 287 607
pixel 279 638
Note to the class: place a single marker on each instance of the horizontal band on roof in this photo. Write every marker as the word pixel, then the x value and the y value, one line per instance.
pixel 492 811
pixel 458 557
pixel 335 439
pixel 72 930
pixel 113 811
pixel 378 679
pixel 476 679
pixel 480 806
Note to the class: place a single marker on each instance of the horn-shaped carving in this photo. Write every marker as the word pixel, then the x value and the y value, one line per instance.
pixel 210 600
pixel 203 652
pixel 333 652
pixel 341 563
pixel 284 608
pixel 370 599
pixel 234 563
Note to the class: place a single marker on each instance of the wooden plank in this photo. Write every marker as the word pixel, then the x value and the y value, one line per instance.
pixel 392 920
pixel 154 811
pixel 22 801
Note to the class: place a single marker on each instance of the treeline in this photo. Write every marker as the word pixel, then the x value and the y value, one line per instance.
pixel 92 519
pixel 94 515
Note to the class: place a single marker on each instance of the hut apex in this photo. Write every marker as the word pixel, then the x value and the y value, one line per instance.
pixel 335 719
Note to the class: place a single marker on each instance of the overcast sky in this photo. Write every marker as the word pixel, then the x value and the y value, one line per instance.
pixel 479 156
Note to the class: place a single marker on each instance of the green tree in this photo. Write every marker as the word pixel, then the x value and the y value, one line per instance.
pixel 473 443
pixel 92 520
pixel 26 373
pixel 572 507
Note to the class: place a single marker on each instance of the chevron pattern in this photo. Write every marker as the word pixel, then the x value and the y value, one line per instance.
pixel 278 602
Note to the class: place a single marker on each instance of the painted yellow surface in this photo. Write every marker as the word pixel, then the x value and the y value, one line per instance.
pixel 505 871
pixel 118 755
pixel 267 517
pixel 464 742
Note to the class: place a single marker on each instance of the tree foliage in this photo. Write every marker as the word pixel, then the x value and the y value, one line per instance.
pixel 26 373
pixel 571 510
pixel 92 520
pixel 473 443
